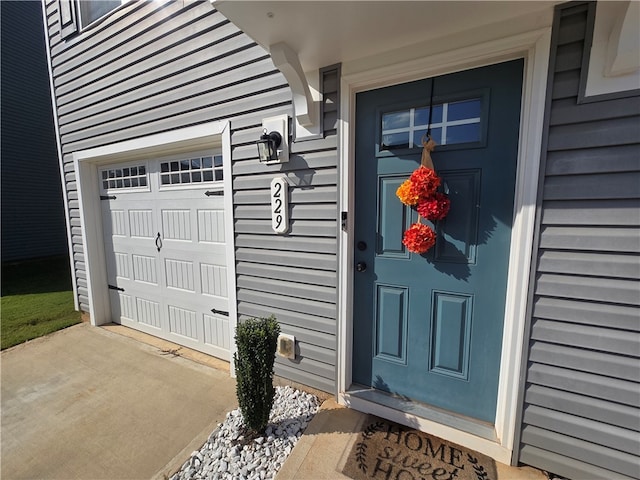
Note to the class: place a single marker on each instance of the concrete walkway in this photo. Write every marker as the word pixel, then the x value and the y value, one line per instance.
pixel 88 403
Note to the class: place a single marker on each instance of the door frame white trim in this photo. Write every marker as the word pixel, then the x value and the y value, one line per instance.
pixel 86 163
pixel 534 47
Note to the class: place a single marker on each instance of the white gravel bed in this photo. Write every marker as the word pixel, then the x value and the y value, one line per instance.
pixel 226 455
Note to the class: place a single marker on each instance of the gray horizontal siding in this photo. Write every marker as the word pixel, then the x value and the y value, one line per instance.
pixel 583 453
pixel 588 313
pixel 33 221
pixel 291 276
pixel 150 68
pixel 581 396
pixel 611 413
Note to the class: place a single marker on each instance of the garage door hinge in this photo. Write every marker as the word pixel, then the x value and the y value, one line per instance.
pixel 113 287
pixel 107 197
pixel 208 193
pixel 220 312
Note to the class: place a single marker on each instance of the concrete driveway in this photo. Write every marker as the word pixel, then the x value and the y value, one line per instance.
pixel 88 403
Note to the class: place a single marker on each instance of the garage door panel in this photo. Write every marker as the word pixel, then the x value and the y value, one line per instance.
pixel 179 274
pixel 211 226
pixel 118 222
pixel 184 322
pixel 216 330
pixel 122 265
pixel 214 280
pixel 176 224
pixel 145 269
pixel 141 223
pixel 148 312
pixel 122 305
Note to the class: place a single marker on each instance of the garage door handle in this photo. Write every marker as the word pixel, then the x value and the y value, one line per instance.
pixel 158 242
pixel 220 312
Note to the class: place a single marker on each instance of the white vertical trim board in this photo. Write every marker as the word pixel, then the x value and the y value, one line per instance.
pixel 65 196
pixel 230 241
pixel 533 46
pixel 86 163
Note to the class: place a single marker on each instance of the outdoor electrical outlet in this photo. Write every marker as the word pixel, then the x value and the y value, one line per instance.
pixel 287 346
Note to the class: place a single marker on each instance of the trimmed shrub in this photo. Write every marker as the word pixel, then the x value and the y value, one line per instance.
pixel 256 341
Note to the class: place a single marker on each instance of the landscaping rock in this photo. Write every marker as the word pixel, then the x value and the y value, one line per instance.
pixel 227 455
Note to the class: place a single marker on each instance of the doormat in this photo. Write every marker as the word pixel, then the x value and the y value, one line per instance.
pixel 387 451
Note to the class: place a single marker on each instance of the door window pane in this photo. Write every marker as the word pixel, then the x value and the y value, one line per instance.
pixel 395 140
pixel 463 133
pixel 464 110
pixel 394 120
pixel 422 115
pixel 451 123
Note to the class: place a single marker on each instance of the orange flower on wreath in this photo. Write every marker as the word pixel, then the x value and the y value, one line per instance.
pixel 407 193
pixel 419 238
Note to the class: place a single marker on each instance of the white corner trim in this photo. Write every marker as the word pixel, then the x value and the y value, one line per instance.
pixel 533 46
pixel 86 164
pixel 287 61
pixel 65 196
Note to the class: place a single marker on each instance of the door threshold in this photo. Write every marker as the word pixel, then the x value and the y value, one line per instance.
pixel 413 408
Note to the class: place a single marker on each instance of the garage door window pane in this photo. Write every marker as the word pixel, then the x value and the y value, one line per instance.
pixel 192 170
pixel 124 177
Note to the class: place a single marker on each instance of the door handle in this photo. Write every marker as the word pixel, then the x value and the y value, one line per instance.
pixel 361 266
pixel 158 242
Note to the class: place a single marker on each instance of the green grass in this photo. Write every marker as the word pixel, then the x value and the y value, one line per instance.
pixel 37 299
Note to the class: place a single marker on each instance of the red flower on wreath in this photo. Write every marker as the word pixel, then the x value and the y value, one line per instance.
pixel 425 181
pixel 436 207
pixel 419 238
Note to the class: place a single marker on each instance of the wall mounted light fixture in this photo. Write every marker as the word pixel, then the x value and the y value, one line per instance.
pixel 273 144
pixel 268 146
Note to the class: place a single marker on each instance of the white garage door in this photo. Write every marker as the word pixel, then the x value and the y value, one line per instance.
pixel 164 238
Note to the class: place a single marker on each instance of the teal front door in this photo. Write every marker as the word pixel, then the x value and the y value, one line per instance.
pixel 429 327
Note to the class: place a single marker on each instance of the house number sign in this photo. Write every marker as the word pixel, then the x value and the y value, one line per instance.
pixel 280 205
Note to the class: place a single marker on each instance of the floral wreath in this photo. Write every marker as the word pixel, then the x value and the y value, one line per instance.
pixel 419 191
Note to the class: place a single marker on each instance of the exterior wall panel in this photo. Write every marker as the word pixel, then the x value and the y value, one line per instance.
pixel 33 222
pixel 152 67
pixel 580 413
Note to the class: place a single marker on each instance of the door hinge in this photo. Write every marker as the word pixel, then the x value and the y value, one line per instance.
pixel 208 193
pixel 344 217
pixel 113 287
pixel 107 197
pixel 220 312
